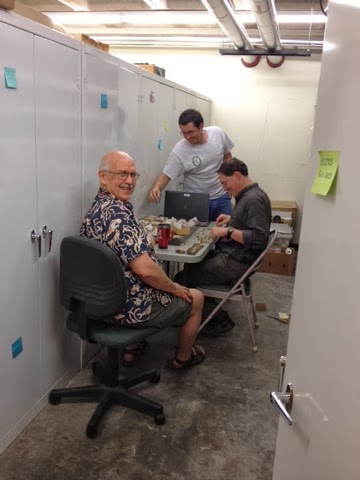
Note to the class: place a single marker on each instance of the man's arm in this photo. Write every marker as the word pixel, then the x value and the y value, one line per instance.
pixel 153 275
pixel 228 157
pixel 159 184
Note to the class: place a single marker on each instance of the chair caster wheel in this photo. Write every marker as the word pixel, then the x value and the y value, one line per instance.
pixel 155 378
pixel 91 432
pixel 255 349
pixel 159 419
pixel 54 399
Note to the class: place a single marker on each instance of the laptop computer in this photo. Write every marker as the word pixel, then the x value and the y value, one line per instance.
pixel 187 205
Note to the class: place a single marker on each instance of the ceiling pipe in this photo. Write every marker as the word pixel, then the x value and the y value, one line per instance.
pixel 265 15
pixel 234 30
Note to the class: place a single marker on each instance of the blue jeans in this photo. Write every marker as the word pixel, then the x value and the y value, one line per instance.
pixel 220 205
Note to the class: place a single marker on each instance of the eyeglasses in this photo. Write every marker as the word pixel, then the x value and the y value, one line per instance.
pixel 123 175
pixel 225 183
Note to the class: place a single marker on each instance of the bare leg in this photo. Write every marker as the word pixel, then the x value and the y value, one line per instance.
pixel 188 331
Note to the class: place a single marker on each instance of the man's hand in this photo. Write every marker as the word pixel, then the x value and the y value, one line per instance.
pixel 182 292
pixel 154 194
pixel 159 184
pixel 218 232
pixel 222 219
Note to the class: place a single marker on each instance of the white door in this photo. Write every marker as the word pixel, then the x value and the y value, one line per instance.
pixel 323 355
pixel 58 117
pixel 19 264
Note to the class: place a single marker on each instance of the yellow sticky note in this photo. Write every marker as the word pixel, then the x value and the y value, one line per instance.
pixel 326 173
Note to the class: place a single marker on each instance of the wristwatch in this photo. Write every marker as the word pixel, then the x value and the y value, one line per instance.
pixel 230 231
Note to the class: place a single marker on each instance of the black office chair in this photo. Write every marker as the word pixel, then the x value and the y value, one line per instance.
pixel 93 287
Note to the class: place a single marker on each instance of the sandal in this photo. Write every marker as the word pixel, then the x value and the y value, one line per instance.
pixel 132 353
pixel 197 356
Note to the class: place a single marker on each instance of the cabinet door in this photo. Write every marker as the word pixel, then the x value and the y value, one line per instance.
pixel 128 103
pixel 165 134
pixel 100 119
pixel 183 101
pixel 204 107
pixel 19 288
pixel 128 106
pixel 58 103
pixel 156 112
pixel 149 111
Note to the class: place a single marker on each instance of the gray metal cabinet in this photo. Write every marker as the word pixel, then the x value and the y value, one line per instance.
pixel 19 287
pixel 40 186
pixel 68 105
pixel 58 116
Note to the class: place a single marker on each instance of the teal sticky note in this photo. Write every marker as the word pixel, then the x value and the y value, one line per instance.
pixel 160 144
pixel 17 347
pixel 10 77
pixel 104 100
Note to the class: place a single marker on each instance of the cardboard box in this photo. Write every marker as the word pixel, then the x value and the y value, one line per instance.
pixel 85 39
pixel 180 231
pixel 279 262
pixel 34 15
pixel 152 68
pixel 7 4
pixel 286 210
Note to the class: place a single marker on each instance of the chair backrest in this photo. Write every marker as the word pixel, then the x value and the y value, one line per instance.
pixel 272 238
pixel 91 275
pixel 254 266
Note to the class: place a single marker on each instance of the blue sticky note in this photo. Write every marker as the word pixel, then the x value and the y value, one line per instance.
pixel 104 100
pixel 17 347
pixel 10 77
pixel 160 144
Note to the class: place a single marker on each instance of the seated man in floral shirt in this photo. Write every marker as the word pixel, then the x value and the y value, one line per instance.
pixel 153 299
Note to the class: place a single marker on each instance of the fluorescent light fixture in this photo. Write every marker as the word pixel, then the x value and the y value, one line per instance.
pixel 301 18
pixel 150 39
pixel 84 18
pixel 157 4
pixel 187 41
pixel 166 18
pixel 76 5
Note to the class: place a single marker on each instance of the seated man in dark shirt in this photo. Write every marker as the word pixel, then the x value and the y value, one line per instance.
pixel 241 238
pixel 153 299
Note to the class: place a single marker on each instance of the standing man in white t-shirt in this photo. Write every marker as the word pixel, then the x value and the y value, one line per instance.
pixel 198 156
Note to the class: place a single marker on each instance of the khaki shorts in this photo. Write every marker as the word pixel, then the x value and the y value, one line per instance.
pixel 174 314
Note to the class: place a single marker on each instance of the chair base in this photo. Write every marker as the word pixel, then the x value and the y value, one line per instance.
pixel 106 396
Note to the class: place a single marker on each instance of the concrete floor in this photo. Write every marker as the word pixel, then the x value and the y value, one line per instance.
pixel 219 421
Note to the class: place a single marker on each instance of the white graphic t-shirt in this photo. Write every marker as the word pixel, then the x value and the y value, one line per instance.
pixel 199 163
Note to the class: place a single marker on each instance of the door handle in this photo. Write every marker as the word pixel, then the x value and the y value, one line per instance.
pixel 282 400
pixel 36 238
pixel 48 233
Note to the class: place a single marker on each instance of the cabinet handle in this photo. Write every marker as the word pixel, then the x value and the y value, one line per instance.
pixel 48 233
pixel 282 400
pixel 36 238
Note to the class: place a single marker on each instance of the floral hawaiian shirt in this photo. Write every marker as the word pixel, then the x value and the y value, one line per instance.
pixel 113 223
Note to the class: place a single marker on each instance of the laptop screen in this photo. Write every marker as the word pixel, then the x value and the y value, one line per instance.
pixel 187 205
